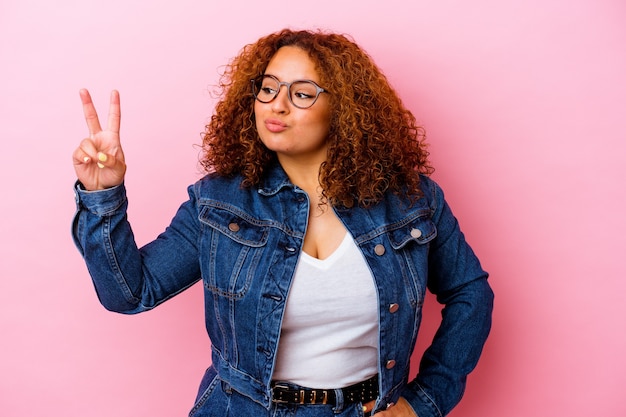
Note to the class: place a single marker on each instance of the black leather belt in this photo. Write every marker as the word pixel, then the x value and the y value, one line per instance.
pixel 362 392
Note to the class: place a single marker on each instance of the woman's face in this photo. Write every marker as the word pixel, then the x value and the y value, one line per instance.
pixel 292 132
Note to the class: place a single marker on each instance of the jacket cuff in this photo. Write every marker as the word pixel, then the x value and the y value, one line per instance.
pixel 420 401
pixel 100 202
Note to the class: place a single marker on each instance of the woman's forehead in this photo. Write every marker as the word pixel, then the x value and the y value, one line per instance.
pixel 291 63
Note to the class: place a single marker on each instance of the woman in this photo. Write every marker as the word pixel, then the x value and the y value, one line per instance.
pixel 315 233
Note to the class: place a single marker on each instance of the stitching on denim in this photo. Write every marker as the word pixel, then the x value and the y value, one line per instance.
pixel 205 395
pixel 413 282
pixel 115 267
pixel 254 256
pixel 245 216
pixel 431 400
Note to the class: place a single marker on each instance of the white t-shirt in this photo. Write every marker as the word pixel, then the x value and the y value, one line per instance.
pixel 329 335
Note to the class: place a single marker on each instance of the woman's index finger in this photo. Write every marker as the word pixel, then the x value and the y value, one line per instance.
pixel 91 116
pixel 115 114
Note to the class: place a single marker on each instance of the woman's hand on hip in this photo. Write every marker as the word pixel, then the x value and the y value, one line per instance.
pixel 401 409
pixel 99 160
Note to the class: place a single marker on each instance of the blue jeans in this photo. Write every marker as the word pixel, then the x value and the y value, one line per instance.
pixel 220 400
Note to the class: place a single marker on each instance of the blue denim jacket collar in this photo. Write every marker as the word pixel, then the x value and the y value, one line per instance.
pixel 275 179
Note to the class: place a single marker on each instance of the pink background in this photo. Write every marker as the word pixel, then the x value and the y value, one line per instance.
pixel 525 107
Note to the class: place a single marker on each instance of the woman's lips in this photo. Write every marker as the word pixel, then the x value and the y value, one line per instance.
pixel 275 126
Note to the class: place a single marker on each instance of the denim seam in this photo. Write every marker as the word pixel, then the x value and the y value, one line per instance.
pixel 382 230
pixel 246 217
pixel 431 400
pixel 119 277
pixel 205 395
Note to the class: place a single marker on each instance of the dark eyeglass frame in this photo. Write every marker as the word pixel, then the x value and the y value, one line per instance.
pixel 259 79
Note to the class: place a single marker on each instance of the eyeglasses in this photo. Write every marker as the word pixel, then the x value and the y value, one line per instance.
pixel 302 93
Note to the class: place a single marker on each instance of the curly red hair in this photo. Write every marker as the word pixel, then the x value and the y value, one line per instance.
pixel 374 144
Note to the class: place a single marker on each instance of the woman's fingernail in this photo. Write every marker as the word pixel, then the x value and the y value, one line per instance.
pixel 86 159
pixel 102 157
pixel 100 165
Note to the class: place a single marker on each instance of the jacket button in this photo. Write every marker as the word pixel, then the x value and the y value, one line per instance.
pixel 390 364
pixel 233 227
pixel 379 250
pixel 393 307
pixel 416 233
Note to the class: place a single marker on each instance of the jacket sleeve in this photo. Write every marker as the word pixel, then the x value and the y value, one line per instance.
pixel 129 279
pixel 460 284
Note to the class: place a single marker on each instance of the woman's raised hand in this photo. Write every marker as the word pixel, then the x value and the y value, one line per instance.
pixel 99 160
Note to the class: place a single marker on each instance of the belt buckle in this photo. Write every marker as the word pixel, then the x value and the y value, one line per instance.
pixel 276 400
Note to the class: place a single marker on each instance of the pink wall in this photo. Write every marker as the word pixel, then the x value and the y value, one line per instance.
pixel 524 103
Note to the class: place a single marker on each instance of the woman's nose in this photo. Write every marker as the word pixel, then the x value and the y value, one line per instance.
pixel 281 102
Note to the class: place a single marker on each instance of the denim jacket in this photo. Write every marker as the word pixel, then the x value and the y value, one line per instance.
pixel 244 244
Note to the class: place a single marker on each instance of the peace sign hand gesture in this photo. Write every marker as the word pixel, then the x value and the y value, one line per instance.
pixel 99 160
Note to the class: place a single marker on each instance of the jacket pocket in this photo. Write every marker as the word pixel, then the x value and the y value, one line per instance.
pixel 410 243
pixel 232 244
pixel 420 230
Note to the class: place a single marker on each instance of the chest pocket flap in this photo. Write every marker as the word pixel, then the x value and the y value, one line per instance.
pixel 237 225
pixel 421 230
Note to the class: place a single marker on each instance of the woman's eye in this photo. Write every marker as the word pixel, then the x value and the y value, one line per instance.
pixel 303 96
pixel 268 90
